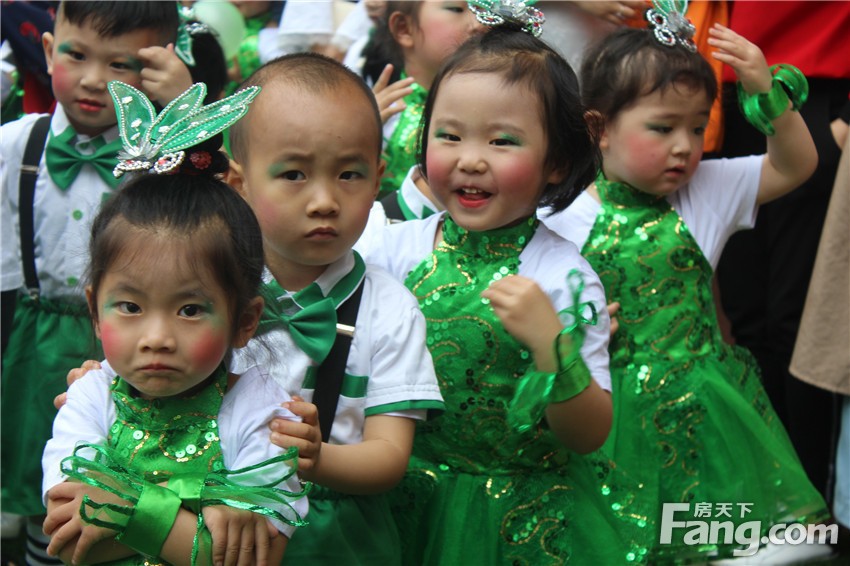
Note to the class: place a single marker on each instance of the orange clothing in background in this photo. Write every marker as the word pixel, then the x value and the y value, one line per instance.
pixel 704 14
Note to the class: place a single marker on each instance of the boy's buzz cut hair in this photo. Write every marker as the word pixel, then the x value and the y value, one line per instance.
pixel 113 19
pixel 312 72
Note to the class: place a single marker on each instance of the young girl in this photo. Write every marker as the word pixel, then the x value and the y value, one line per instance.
pixel 690 413
pixel 503 133
pixel 419 35
pixel 174 439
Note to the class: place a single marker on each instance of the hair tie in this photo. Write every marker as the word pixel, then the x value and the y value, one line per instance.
pixel 156 142
pixel 668 22
pixel 516 13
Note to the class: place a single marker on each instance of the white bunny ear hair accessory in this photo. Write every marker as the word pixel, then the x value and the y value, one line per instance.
pixel 156 142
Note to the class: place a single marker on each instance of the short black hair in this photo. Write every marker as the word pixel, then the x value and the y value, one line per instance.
pixel 112 19
pixel 523 59
pixel 631 63
pixel 312 72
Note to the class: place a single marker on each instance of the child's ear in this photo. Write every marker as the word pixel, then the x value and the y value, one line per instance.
pixel 93 310
pixel 47 43
pixel 596 126
pixel 401 28
pixel 249 320
pixel 235 177
pixel 557 175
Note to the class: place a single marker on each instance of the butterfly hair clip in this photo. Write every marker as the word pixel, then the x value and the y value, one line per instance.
pixel 668 22
pixel 518 13
pixel 156 142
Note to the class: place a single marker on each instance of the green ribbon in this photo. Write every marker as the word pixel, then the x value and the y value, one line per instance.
pixel 144 523
pixel 536 390
pixel 64 162
pixel 763 108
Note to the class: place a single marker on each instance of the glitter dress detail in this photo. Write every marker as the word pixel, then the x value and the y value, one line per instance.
pixel 691 418
pixel 163 436
pixel 476 491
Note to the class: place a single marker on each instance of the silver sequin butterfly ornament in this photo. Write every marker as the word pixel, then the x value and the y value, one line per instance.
pixel 156 143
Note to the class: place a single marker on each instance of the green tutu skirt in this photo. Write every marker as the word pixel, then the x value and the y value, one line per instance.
pixel 47 340
pixel 581 513
pixel 705 434
pixel 345 529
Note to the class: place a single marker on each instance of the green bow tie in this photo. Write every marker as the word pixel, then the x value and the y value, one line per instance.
pixel 64 161
pixel 313 328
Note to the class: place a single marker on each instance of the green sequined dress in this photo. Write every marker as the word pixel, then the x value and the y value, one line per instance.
pixel 690 414
pixel 156 439
pixel 400 146
pixel 476 491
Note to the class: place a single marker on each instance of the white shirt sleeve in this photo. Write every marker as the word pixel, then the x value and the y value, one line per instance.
pixel 86 417
pixel 246 411
pixel 719 200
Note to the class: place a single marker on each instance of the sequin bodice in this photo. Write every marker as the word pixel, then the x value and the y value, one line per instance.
pixel 667 309
pixel 476 360
pixel 162 436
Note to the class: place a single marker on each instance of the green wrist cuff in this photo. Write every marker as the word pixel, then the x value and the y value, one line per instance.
pixel 762 109
pixel 151 521
pixel 572 376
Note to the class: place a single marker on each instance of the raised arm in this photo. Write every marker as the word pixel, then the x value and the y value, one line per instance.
pixel 791 155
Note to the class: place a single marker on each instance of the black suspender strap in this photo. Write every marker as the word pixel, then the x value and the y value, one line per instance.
pixel 391 207
pixel 331 372
pixel 29 174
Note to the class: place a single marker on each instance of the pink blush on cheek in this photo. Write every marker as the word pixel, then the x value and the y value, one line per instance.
pixel 110 340
pixel 60 80
pixel 209 349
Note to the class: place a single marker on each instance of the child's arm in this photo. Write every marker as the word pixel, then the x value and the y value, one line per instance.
pixel 582 422
pixel 373 466
pixel 791 154
pixel 164 76
pixel 239 537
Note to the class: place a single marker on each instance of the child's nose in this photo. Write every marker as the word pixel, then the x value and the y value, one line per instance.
pixel 471 161
pixel 157 336
pixel 93 78
pixel 323 202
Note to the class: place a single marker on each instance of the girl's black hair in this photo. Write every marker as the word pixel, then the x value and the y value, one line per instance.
pixel 210 65
pixel 192 204
pixel 114 18
pixel 631 63
pixel 523 59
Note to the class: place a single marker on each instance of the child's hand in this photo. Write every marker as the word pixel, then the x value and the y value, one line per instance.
pixel 239 537
pixel 743 56
pixel 389 96
pixel 164 76
pixel 74 375
pixel 306 435
pixel 527 314
pixel 613 309
pixel 63 523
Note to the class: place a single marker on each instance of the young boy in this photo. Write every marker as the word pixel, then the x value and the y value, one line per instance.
pixel 307 160
pixel 44 257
